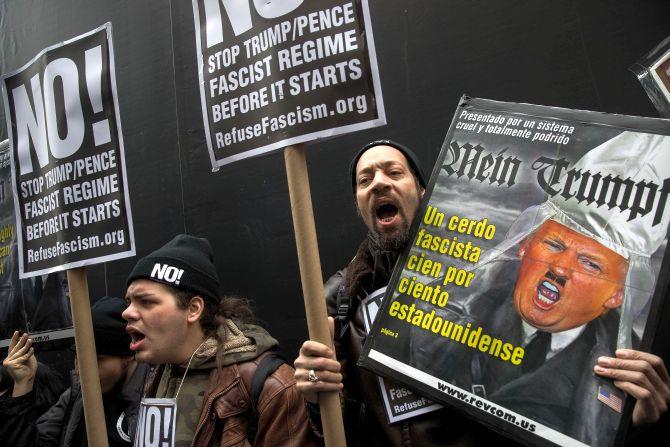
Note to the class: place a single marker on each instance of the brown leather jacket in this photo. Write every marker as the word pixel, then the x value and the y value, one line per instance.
pixel 225 414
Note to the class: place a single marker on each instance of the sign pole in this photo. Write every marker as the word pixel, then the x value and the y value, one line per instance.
pixel 312 281
pixel 96 429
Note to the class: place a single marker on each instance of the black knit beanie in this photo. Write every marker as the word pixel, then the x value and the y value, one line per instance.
pixel 109 327
pixel 412 160
pixel 186 262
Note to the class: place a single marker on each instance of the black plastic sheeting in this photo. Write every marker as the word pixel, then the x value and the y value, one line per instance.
pixel 562 53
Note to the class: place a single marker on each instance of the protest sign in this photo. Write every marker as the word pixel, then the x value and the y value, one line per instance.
pixel 537 248
pixel 274 74
pixel 156 422
pixel 67 157
pixel 68 171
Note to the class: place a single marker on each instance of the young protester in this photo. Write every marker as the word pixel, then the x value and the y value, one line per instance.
pixel 62 425
pixel 388 184
pixel 219 370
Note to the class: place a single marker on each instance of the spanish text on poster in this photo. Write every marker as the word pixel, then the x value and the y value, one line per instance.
pixel 9 308
pixel 6 217
pixel 274 74
pixel 537 249
pixel 68 163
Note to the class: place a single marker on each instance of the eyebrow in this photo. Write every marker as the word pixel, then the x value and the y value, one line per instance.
pixel 383 164
pixel 595 257
pixel 555 238
pixel 138 295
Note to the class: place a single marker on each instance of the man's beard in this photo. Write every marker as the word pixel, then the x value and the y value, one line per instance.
pixel 393 242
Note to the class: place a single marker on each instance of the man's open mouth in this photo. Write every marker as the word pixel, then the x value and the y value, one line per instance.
pixel 386 213
pixel 547 295
pixel 136 338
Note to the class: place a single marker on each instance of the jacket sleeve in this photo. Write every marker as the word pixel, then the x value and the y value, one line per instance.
pixel 282 414
pixel 330 289
pixel 21 426
pixel 18 420
pixel 50 424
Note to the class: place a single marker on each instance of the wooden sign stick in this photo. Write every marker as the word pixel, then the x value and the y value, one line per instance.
pixel 87 360
pixel 312 281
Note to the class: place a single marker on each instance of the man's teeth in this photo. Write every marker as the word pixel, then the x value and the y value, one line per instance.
pixel 547 293
pixel 550 286
pixel 545 299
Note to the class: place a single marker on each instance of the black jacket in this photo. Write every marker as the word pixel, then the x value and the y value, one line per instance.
pixel 364 412
pixel 63 425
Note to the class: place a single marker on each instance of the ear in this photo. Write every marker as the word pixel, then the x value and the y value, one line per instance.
pixel 615 300
pixel 422 192
pixel 195 309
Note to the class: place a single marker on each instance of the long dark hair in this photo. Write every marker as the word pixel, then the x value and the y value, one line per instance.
pixel 230 307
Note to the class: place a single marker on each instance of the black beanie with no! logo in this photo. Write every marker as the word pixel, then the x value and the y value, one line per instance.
pixel 186 262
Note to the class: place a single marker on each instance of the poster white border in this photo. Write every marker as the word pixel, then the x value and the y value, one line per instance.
pixel 416 374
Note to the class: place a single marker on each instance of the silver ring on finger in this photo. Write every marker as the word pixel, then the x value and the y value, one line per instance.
pixel 312 377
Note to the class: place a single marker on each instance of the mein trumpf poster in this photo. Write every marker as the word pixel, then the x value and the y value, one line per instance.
pixel 537 249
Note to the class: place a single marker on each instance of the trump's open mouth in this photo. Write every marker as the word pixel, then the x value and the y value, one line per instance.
pixel 546 295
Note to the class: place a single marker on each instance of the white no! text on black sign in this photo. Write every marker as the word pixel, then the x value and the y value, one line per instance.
pixel 68 163
pixel 274 74
pixel 156 422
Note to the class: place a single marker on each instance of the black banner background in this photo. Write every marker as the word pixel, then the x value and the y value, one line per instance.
pixel 557 53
